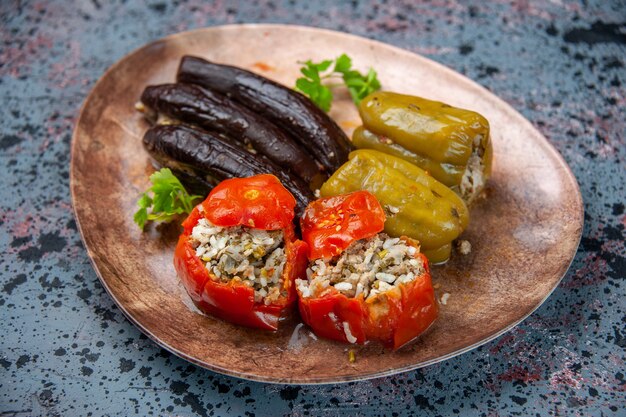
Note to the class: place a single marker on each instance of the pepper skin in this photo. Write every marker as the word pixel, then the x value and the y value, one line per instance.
pixel 445 173
pixel 427 210
pixel 452 144
pixel 393 317
pixel 233 301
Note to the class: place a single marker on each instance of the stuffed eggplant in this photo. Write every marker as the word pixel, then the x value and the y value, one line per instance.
pixel 206 159
pixel 286 108
pixel 217 113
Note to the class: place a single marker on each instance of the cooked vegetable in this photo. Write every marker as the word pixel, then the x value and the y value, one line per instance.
pixel 207 159
pixel 288 109
pixel 215 112
pixel 330 225
pixel 364 139
pixel 236 272
pixel 452 144
pixel 420 206
pixel 377 288
pixel 312 84
pixel 260 202
pixel 166 199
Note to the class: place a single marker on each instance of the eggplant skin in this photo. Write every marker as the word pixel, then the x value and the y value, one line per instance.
pixel 288 109
pixel 217 113
pixel 206 159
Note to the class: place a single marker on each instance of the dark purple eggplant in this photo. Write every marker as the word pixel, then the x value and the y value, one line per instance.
pixel 205 158
pixel 217 113
pixel 288 109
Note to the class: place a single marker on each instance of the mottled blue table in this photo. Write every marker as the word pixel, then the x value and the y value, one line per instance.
pixel 67 350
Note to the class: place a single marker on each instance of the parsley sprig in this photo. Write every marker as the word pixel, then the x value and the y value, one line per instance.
pixel 316 74
pixel 166 199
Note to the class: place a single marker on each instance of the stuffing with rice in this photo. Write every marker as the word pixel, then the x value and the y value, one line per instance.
pixel 476 172
pixel 368 266
pixel 362 284
pixel 253 256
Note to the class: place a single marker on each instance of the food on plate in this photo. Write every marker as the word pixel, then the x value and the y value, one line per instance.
pixel 330 225
pixel 452 144
pixel 419 206
pixel 464 247
pixel 315 83
pixel 286 108
pixel 262 147
pixel 166 199
pixel 238 255
pixel 217 113
pixel 203 159
pixel 364 139
pixel 361 284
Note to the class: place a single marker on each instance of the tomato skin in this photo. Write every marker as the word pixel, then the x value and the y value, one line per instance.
pixel 330 225
pixel 260 201
pixel 326 315
pixel 419 311
pixel 395 317
pixel 233 301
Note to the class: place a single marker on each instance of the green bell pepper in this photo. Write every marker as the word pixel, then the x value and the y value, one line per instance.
pixel 452 144
pixel 418 205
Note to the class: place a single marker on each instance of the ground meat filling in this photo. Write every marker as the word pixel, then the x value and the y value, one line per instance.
pixel 255 257
pixel 368 266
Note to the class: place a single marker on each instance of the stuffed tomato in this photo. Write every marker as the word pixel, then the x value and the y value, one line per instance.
pixel 238 256
pixel 362 284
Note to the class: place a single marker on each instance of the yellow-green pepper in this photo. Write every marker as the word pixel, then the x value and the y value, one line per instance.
pixel 452 144
pixel 418 205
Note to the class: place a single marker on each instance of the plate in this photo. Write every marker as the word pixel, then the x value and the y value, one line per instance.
pixel 524 235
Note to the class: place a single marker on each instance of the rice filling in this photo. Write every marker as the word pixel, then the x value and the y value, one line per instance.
pixel 473 180
pixel 253 256
pixel 368 266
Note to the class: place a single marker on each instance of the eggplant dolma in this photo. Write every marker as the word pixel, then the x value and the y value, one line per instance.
pixel 217 113
pixel 203 159
pixel 288 109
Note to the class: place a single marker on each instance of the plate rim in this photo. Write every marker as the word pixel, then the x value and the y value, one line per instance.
pixel 320 381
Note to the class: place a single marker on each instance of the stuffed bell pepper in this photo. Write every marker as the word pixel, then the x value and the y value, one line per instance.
pixel 238 255
pixel 362 284
pixel 450 143
pixel 419 206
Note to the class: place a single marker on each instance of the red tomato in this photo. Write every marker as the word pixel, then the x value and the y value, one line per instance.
pixel 330 225
pixel 260 202
pixel 395 317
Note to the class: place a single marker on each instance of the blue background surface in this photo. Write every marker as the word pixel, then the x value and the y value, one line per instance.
pixel 66 349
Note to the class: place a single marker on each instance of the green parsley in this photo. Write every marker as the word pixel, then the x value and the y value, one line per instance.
pixel 168 199
pixel 315 74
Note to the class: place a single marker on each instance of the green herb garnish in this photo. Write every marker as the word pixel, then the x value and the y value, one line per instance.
pixel 169 198
pixel 312 84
